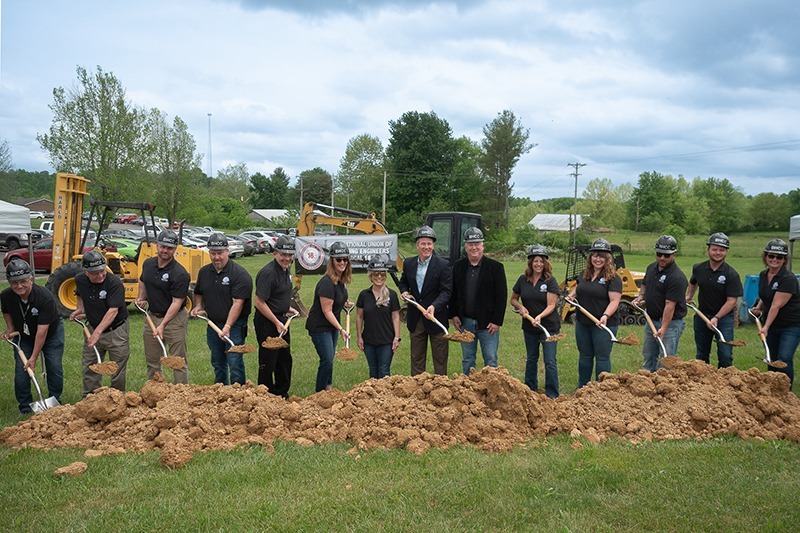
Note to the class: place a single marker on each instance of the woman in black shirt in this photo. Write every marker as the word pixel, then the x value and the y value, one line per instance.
pixel 378 320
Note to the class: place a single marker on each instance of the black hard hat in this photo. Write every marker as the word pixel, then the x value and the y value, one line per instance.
pixel 378 263
pixel 217 242
pixel 473 235
pixel 425 231
pixel 775 246
pixel 719 239
pixel 168 238
pixel 666 244
pixel 93 261
pixel 537 250
pixel 285 244
pixel 600 245
pixel 18 269
pixel 339 249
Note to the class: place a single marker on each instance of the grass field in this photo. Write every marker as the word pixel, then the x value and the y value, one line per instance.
pixel 723 484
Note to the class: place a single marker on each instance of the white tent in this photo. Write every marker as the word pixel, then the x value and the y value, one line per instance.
pixel 14 218
pixel 794 234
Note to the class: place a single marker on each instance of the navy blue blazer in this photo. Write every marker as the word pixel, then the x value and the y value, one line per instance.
pixel 436 289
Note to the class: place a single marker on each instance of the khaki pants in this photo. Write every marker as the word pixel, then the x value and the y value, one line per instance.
pixel 175 341
pixel 419 350
pixel 115 344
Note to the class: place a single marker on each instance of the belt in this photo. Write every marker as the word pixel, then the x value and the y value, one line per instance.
pixel 112 327
pixel 158 315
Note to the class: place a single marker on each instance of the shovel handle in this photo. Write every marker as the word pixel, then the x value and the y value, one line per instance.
pixel 538 325
pixel 705 319
pixel 425 314
pixel 653 329
pixel 22 357
pixel 574 303
pixel 289 321
pixel 215 328
pixel 761 335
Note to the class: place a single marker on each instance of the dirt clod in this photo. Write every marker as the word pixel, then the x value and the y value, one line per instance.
pixel 274 343
pixel 460 336
pixel 488 409
pixel 106 368
pixel 173 361
pixel 75 469
pixel 347 354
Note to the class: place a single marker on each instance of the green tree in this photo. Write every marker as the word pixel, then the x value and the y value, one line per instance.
pixel 176 167
pixel 467 179
pixel 24 184
pixel 361 171
pixel 232 182
pixel 504 142
pixel 726 203
pixel 770 212
pixel 603 202
pixel 421 156
pixel 316 186
pixel 270 192
pixel 652 201
pixel 98 133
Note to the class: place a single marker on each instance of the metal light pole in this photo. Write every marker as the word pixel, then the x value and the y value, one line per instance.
pixel 210 168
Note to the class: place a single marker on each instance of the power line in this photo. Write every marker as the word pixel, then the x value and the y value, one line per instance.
pixel 748 148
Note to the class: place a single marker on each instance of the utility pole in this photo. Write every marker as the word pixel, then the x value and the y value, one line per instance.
pixel 383 201
pixel 210 167
pixel 301 193
pixel 573 223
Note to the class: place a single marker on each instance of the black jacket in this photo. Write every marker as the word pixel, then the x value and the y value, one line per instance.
pixel 492 292
pixel 436 290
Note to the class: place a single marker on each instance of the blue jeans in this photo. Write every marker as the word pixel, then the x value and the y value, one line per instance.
pixel 783 344
pixel 325 344
pixel 703 337
pixel 222 360
pixel 51 355
pixel 594 349
pixel 489 345
pixel 650 350
pixel 533 339
pixel 379 359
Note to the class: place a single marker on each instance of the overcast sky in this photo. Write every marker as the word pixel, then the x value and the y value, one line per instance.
pixel 698 88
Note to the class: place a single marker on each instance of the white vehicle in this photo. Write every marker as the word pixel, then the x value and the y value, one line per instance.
pixel 266 239
pixel 37 214
pixel 47 225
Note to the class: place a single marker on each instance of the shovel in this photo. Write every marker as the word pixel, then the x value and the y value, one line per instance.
pixel 42 403
pixel 244 348
pixel 106 369
pixel 661 347
pixel 346 353
pixel 630 340
pixel 461 336
pixel 767 359
pixel 172 361
pixel 720 338
pixel 276 343
pixel 548 338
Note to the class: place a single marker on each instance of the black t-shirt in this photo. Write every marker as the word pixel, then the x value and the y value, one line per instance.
pixel 593 296
pixel 98 298
pixel 40 309
pixel 219 289
pixel 274 286
pixel 784 281
pixel 471 303
pixel 535 300
pixel 316 321
pixel 164 284
pixel 715 286
pixel 378 326
pixel 662 285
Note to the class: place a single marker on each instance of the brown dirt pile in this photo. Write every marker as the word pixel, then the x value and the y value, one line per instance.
pixel 488 409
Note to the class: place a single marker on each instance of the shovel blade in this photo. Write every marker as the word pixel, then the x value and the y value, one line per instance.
pixel 48 403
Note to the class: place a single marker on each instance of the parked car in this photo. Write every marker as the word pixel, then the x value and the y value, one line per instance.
pixel 250 244
pixel 42 254
pixel 266 239
pixel 127 247
pixel 37 214
pixel 235 247
pixel 122 233
pixel 38 234
pixel 12 241
pixel 125 218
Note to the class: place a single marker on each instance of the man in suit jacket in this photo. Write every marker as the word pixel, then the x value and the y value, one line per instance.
pixel 428 279
pixel 478 302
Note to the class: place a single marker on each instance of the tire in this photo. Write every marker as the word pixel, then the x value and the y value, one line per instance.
pixel 268 249
pixel 12 244
pixel 61 284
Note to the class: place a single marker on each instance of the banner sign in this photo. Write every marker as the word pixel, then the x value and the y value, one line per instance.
pixel 311 255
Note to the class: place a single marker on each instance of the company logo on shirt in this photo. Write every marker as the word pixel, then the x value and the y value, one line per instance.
pixel 543 287
pixel 663 278
pixel 722 279
pixel 775 286
pixel 102 295
pixel 226 280
pixel 602 281
pixel 165 277
pixel 34 311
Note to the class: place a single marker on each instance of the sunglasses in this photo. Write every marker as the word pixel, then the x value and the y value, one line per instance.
pixel 340 259
pixel 658 254
pixel 773 256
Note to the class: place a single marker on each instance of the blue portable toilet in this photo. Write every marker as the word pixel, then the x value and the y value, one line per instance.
pixel 749 297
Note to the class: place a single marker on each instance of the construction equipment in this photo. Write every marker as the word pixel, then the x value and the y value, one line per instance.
pixel 631 281
pixel 42 403
pixel 630 339
pixel 69 240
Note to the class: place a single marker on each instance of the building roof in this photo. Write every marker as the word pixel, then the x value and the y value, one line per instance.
pixel 269 213
pixel 552 222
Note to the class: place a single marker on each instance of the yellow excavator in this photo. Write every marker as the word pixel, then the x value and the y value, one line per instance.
pixel 69 240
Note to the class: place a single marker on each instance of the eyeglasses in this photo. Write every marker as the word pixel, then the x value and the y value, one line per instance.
pixel 659 254
pixel 341 259
pixel 773 256
pixel 20 282
pixel 378 274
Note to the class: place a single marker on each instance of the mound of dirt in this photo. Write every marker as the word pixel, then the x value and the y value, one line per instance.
pixel 488 409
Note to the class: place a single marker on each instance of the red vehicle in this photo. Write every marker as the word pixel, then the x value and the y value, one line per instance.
pixel 42 254
pixel 126 218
